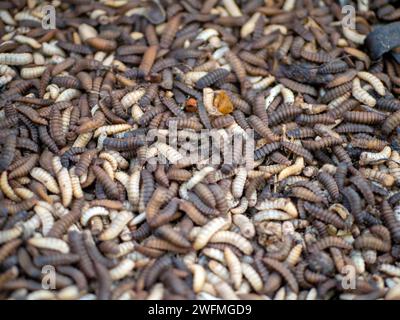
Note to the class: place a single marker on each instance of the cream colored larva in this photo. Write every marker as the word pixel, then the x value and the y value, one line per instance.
pixel 198 177
pixel 45 216
pixel 271 214
pixel 51 49
pixel 199 277
pixel 234 266
pixel 232 8
pixel 353 35
pixel 168 152
pixel 374 81
pixel 246 227
pixel 116 226
pixel 10 234
pixel 239 182
pixel 68 95
pixel 375 157
pixel 284 204
pixel 234 239
pixel 27 40
pixel 133 187
pixel 16 59
pixel 248 28
pixel 132 97
pixel 122 269
pixel 362 95
pixel 219 269
pixel 208 230
pixel 44 177
pixel 252 276
pixel 292 170
pixel 50 243
pixel 6 188
pixel 93 212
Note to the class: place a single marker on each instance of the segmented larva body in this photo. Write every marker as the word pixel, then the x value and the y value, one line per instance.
pixel 238 182
pixel 391 123
pixel 245 225
pixel 375 82
pixel 375 157
pixel 328 242
pixel 234 266
pixel 294 169
pixel 122 269
pixel 50 243
pixel 44 177
pixel 199 277
pixel 93 212
pixel 46 218
pixel 208 230
pixel 116 226
pixel 252 276
pixel 16 59
pixel 234 239
pixel 362 95
pixel 379 176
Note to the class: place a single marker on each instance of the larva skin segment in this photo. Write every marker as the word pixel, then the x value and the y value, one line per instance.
pixel 361 95
pixel 208 230
pixel 50 243
pixel 116 226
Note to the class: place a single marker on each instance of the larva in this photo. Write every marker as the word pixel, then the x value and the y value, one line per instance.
pixel 361 95
pixel 234 239
pixel 284 271
pixel 50 243
pixel 208 230
pixel 116 226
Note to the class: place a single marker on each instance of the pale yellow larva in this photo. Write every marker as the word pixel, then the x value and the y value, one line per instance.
pixel 252 276
pixel 234 239
pixel 6 188
pixel 374 81
pixel 68 95
pixel 122 269
pixel 362 95
pixel 284 204
pixel 294 255
pixel 218 269
pixel 208 230
pixel 234 266
pixel 199 277
pixel 64 181
pixel 15 59
pixel 133 187
pixel 112 129
pixel 246 227
pixel 45 216
pixel 10 234
pixel 239 182
pixel 93 212
pixel 46 178
pixel 50 243
pixel 292 170
pixel 116 226
pixel 156 292
pixel 132 97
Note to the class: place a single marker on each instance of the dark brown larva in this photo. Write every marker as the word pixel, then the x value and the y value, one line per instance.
pixel 324 215
pixel 8 151
pixel 330 184
pixel 284 271
pixel 390 221
pixel 262 128
pixel 299 150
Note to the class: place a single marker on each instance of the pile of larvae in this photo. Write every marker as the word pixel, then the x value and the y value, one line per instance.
pixel 88 210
